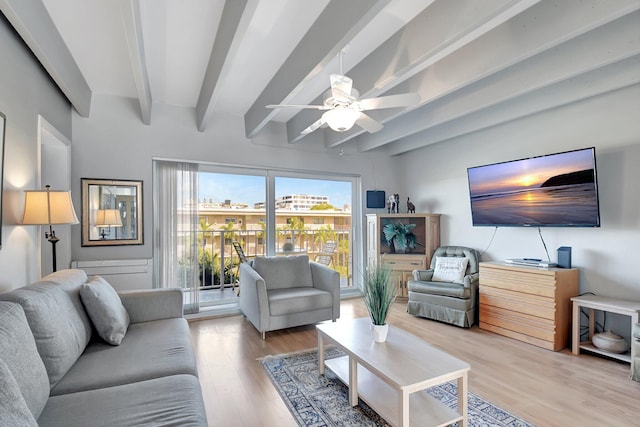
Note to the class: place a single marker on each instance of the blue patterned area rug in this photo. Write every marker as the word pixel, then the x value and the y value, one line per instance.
pixel 318 401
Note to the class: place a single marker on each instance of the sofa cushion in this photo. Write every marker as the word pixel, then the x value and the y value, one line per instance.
pixel 57 319
pixel 169 401
pixel 440 288
pixel 13 408
pixel 149 350
pixel 69 279
pixel 105 309
pixel 18 350
pixel 297 300
pixel 455 304
pixel 284 271
pixel 450 269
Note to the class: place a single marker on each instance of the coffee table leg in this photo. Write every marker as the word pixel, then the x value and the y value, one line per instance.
pixel 320 353
pixel 353 381
pixel 462 399
pixel 403 408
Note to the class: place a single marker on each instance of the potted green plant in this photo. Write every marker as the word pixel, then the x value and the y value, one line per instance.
pixel 379 294
pixel 400 236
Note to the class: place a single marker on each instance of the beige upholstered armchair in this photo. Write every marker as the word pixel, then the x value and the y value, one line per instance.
pixel 447 292
pixel 287 291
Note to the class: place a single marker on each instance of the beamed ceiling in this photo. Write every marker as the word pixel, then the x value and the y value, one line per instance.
pixel 474 63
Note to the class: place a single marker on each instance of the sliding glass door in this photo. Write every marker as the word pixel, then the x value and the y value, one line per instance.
pixel 275 213
pixel 314 216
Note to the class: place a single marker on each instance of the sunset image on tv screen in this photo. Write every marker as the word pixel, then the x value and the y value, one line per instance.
pixel 553 190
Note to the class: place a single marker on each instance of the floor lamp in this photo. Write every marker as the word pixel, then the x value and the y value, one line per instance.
pixel 49 207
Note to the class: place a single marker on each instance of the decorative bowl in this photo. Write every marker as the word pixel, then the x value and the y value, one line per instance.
pixel 609 341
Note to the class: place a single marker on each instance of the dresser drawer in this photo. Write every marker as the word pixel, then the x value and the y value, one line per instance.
pixel 404 265
pixel 527 283
pixel 533 305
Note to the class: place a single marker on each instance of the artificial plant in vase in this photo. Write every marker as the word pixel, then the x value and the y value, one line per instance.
pixel 379 294
pixel 400 236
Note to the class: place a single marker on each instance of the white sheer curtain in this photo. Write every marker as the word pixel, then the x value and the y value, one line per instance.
pixel 175 248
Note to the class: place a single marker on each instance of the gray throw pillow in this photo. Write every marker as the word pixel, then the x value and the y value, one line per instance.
pixel 105 310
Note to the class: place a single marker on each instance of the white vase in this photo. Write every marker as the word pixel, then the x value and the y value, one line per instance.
pixel 379 332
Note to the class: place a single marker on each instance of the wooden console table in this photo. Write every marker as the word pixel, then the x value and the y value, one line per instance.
pixel 612 305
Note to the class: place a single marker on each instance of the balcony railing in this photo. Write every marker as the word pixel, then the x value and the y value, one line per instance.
pixel 218 261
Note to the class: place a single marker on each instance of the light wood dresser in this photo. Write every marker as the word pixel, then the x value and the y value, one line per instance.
pixel 529 304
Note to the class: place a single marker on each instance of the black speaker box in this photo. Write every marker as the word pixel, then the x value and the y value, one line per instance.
pixel 564 257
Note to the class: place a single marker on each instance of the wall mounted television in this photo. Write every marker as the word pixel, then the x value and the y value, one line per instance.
pixel 554 190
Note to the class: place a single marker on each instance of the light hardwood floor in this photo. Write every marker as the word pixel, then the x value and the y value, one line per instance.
pixel 545 388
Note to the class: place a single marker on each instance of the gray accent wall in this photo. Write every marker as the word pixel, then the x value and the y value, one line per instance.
pixel 26 91
pixel 606 256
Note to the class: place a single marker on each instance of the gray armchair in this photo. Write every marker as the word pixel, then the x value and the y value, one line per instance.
pixel 287 291
pixel 453 302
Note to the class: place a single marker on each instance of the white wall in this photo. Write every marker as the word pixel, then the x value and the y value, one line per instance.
pixel 607 257
pixel 114 143
pixel 25 91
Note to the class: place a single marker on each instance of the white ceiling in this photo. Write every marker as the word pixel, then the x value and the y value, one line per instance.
pixel 475 63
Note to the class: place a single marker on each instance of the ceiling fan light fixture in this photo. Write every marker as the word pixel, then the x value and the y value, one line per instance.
pixel 341 118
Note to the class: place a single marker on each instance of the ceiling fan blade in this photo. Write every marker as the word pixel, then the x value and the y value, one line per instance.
pixel 341 87
pixel 315 125
pixel 313 107
pixel 391 101
pixel 368 124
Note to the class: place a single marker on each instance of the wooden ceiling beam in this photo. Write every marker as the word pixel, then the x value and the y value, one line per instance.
pixel 131 17
pixel 233 26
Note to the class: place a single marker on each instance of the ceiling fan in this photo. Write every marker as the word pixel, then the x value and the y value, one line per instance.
pixel 344 108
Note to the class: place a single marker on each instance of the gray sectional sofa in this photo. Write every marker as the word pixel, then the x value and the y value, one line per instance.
pixel 55 369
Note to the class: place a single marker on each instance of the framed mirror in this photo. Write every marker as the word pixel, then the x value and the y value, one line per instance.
pixel 111 212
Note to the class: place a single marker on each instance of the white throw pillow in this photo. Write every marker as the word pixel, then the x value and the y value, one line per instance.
pixel 105 310
pixel 450 269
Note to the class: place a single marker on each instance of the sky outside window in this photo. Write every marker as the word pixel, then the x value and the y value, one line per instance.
pixel 251 189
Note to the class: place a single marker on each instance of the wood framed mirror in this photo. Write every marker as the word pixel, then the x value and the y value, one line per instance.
pixel 111 212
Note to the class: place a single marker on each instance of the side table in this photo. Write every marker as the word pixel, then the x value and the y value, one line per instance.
pixel 612 305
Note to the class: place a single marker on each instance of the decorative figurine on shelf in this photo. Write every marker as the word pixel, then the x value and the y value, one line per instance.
pixel 393 203
pixel 411 208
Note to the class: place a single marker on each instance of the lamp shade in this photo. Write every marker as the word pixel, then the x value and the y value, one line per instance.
pixel 48 207
pixel 341 118
pixel 108 218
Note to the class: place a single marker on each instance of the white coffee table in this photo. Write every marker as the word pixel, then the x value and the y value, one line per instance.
pixel 387 375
